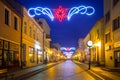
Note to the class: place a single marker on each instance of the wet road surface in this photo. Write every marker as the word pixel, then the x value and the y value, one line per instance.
pixel 67 70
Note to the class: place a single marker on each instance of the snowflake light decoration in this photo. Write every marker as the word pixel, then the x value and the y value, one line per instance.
pixel 60 13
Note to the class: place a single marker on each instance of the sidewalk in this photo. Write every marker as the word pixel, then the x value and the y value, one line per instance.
pixel 100 71
pixel 13 73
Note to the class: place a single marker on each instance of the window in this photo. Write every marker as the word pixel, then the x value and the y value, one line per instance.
pixel 7 16
pixel 34 34
pixel 31 54
pixel 116 23
pixel 37 37
pixel 115 2
pixel 107 17
pixel 107 37
pixel 25 27
pixel 15 23
pixel 30 32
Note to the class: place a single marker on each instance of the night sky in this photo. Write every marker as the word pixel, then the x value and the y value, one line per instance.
pixel 67 32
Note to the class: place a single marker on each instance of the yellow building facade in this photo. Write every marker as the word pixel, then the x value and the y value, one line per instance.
pixel 32 41
pixel 47 39
pixel 97 37
pixel 10 30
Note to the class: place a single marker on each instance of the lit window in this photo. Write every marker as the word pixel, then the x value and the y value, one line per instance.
pixel 31 54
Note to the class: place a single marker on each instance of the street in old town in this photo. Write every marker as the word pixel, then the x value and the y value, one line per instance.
pixel 68 70
pixel 59 39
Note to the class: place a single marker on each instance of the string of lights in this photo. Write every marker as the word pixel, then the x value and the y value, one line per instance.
pixel 32 12
pixel 60 13
pixel 89 10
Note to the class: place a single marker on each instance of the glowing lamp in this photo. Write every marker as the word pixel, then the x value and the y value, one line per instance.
pixel 89 43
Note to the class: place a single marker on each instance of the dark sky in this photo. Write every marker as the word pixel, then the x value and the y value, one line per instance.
pixel 67 32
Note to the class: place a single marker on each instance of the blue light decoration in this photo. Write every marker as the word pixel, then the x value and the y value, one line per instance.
pixel 88 10
pixel 65 52
pixel 68 51
pixel 67 48
pixel 61 13
pixel 32 12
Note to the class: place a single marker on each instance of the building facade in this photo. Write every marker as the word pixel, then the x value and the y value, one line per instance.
pixel 112 31
pixel 97 37
pixel 32 41
pixel 10 33
pixel 47 39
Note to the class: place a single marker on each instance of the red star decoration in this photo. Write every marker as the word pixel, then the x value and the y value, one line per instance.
pixel 60 13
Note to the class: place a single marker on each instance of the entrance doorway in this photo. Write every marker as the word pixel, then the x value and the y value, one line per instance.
pixel 117 58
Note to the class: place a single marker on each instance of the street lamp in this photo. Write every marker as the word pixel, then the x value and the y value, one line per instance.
pixel 89 44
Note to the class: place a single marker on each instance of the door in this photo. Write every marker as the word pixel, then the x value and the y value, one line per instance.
pixel 117 58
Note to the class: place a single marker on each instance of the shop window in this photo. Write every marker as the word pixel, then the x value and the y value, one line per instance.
pixel 117 58
pixel 31 54
pixel 5 53
pixel 0 57
pixel 13 55
pixel 39 56
pixel 14 58
pixel 5 45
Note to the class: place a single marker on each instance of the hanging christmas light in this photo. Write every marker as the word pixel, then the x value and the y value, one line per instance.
pixel 60 13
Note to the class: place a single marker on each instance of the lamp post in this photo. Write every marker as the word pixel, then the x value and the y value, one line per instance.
pixel 89 44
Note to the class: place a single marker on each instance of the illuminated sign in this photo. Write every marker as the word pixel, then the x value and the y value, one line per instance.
pixel 61 13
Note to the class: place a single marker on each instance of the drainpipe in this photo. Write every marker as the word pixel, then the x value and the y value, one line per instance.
pixel 21 41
